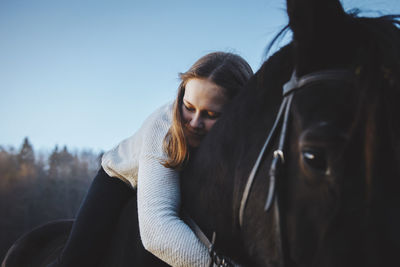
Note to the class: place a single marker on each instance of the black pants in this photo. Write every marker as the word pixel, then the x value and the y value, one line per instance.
pixel 97 237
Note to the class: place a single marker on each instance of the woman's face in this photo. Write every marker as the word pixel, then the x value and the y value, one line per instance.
pixel 202 105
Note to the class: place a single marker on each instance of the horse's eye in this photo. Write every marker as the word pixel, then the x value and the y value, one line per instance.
pixel 315 159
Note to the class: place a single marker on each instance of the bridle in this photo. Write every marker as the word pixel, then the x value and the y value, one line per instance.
pixel 295 83
pixel 282 119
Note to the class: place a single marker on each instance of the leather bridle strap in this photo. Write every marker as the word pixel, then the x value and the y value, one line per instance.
pixel 216 259
pixel 292 85
pixel 200 234
pixel 253 172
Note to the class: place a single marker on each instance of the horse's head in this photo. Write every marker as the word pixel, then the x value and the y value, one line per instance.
pixel 339 192
pixel 336 198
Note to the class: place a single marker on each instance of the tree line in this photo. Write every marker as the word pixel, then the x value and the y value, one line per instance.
pixel 35 189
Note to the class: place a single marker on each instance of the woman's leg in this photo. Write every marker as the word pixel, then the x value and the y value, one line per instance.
pixel 95 222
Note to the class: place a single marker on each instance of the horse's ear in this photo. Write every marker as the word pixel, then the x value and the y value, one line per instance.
pixel 318 33
pixel 309 19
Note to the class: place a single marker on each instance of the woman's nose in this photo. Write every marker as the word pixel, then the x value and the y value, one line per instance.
pixel 196 121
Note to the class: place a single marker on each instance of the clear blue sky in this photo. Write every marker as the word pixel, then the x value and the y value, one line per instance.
pixel 87 73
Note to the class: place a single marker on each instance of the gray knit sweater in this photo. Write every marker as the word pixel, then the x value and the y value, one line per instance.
pixel 137 160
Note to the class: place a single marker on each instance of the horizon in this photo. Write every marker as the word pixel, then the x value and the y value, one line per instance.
pixel 45 153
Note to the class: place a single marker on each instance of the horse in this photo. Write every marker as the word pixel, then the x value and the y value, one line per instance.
pixel 302 169
pixel 323 191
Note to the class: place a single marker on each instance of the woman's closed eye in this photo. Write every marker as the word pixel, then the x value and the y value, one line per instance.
pixel 188 108
pixel 212 114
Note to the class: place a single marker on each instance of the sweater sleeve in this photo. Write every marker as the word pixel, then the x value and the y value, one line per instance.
pixel 163 233
pixel 123 160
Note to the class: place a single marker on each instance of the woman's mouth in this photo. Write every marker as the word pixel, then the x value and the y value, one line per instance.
pixel 194 136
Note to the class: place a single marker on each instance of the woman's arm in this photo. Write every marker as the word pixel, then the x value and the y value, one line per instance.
pixel 163 233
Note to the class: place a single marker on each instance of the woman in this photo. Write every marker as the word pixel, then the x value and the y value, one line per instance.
pixel 150 161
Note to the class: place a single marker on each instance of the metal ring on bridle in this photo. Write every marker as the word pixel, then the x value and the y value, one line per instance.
pixel 279 154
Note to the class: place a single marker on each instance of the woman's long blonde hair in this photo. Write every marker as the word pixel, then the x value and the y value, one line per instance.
pixel 226 70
